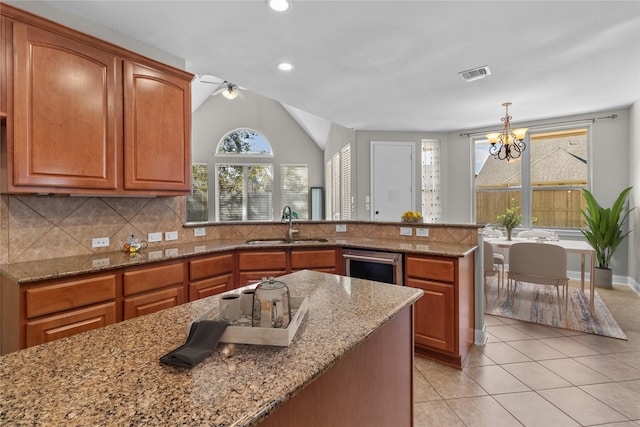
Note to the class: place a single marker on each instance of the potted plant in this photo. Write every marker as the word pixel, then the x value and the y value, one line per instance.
pixel 604 232
pixel 511 219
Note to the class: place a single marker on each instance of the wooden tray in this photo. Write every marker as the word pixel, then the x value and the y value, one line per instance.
pixel 264 336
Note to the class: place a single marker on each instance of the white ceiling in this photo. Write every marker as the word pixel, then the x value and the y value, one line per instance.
pixel 393 65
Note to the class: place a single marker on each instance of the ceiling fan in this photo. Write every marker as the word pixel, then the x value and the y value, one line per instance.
pixel 227 89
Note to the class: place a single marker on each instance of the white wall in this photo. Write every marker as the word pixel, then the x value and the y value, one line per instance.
pixel 362 160
pixel 634 179
pixel 290 143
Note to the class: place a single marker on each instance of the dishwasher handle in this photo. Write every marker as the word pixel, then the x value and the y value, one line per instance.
pixel 370 259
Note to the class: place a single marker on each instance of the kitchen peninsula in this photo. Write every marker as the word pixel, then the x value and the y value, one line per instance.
pixel 351 359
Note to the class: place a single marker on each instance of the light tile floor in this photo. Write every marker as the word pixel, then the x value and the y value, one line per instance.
pixel 534 375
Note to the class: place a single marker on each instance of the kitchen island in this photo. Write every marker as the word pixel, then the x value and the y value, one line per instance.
pixel 351 360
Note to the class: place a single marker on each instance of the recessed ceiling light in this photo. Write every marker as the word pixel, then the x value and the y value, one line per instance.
pixel 285 66
pixel 279 5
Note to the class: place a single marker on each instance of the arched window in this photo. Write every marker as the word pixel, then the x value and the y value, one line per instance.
pixel 244 189
pixel 244 141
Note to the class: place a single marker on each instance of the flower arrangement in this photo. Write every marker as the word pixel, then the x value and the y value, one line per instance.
pixel 410 216
pixel 511 219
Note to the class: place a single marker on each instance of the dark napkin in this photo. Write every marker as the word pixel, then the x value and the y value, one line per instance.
pixel 202 340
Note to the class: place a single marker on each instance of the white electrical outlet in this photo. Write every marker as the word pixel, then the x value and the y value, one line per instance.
pixel 341 228
pixel 102 262
pixel 422 232
pixel 100 242
pixel 170 235
pixel 406 231
pixel 199 232
pixel 154 237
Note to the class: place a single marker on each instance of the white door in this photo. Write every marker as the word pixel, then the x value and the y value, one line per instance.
pixel 392 178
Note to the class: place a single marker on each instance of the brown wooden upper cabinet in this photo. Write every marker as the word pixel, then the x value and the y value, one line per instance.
pixel 85 116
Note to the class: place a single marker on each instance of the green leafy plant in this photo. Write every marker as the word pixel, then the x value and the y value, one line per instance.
pixel 604 226
pixel 512 218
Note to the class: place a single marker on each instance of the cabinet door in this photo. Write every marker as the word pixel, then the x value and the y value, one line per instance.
pixel 151 302
pixel 262 261
pixel 435 321
pixel 150 278
pixel 157 130
pixel 65 127
pixel 314 259
pixel 70 323
pixel 55 297
pixel 210 267
pixel 212 286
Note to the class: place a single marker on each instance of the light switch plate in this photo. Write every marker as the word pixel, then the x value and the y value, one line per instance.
pixel 341 228
pixel 422 232
pixel 154 237
pixel 170 235
pixel 406 231
pixel 199 232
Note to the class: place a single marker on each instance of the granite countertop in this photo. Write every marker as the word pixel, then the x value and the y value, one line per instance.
pixel 112 375
pixel 33 271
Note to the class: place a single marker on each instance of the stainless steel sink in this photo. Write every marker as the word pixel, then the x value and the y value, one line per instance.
pixel 266 242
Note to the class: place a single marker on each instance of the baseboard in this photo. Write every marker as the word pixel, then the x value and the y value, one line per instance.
pixel 480 337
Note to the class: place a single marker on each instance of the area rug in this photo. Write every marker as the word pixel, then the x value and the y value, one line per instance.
pixel 538 304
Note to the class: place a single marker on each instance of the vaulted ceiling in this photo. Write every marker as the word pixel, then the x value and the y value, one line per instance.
pixel 393 65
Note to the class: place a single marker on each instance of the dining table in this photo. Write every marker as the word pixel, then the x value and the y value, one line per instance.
pixel 571 246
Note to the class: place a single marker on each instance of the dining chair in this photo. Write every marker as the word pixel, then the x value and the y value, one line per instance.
pixel 491 261
pixel 539 263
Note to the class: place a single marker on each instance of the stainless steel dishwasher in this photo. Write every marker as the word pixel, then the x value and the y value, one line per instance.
pixel 373 265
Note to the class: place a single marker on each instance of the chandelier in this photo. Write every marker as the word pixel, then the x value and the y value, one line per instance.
pixel 509 144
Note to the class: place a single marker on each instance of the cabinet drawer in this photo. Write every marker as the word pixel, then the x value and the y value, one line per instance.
pixel 212 286
pixel 153 301
pixel 50 299
pixel 252 277
pixel 210 267
pixel 74 322
pixel 442 269
pixel 153 278
pixel 251 261
pixel 313 259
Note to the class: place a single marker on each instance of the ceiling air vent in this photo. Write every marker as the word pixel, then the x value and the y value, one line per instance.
pixel 475 73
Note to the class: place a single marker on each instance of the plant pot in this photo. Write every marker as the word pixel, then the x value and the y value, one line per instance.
pixel 509 232
pixel 603 278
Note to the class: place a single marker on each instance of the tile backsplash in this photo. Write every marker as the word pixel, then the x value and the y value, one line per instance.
pixel 43 227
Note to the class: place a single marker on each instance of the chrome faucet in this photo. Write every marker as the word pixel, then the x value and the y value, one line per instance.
pixel 289 217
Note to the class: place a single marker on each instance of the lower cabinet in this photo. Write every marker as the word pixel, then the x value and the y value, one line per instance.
pixel 253 266
pixel 211 275
pixel 53 309
pixel 437 329
pixel 151 289
pixel 444 317
pixel 60 308
pixel 314 259
pixel 70 323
